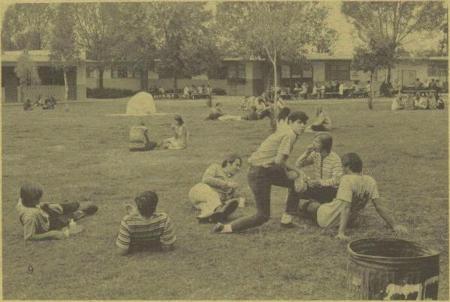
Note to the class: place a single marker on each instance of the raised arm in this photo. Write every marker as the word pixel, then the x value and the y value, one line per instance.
pixel 306 158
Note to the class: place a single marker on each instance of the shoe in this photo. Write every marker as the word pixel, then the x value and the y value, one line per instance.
pixel 286 220
pixel 222 212
pixel 217 228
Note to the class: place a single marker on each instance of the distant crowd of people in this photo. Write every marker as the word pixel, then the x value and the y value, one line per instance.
pixel 48 103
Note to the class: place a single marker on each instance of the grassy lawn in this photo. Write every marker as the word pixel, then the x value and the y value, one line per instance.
pixel 83 153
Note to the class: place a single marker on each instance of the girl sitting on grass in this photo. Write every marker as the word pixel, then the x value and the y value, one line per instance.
pixel 179 140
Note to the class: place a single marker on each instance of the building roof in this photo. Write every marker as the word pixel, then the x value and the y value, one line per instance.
pixel 38 56
pixel 328 57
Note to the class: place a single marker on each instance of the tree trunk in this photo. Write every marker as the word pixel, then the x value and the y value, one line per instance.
pixel 275 95
pixel 175 82
pixel 66 86
pixel 370 100
pixel 144 78
pixel 101 70
pixel 388 79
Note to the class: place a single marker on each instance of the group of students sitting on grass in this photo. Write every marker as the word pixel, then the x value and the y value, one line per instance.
pixel 333 196
pixel 48 103
pixel 419 101
pixel 141 228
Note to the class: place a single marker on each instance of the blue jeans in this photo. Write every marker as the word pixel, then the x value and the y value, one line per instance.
pixel 261 180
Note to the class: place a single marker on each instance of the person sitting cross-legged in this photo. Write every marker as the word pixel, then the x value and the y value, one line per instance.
pixel 217 195
pixel 354 192
pixel 144 228
pixel 139 139
pixel 327 174
pixel 179 140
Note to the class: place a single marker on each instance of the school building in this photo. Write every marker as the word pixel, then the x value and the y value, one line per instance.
pixel 51 78
pixel 238 76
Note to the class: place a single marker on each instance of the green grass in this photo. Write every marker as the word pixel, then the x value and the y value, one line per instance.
pixel 83 153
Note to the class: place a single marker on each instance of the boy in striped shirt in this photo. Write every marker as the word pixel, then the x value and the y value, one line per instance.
pixel 327 174
pixel 145 228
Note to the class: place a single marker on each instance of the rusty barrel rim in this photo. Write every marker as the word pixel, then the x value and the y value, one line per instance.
pixel 426 252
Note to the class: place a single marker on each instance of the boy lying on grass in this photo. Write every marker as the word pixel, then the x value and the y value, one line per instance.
pixel 354 192
pixel 143 228
pixel 43 221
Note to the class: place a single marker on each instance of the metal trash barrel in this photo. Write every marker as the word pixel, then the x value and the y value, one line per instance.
pixel 391 269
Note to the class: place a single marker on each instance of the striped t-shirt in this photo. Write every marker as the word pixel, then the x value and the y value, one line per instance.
pixel 136 230
pixel 328 170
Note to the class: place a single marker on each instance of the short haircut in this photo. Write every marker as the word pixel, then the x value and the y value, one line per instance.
pixel 229 159
pixel 283 114
pixel 146 203
pixel 353 161
pixel 298 115
pixel 179 119
pixel 30 194
pixel 326 141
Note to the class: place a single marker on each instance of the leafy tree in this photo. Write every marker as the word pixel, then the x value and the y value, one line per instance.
pixel 64 52
pixel 137 44
pixel 26 71
pixel 186 41
pixel 25 26
pixel 372 58
pixel 274 30
pixel 393 22
pixel 96 32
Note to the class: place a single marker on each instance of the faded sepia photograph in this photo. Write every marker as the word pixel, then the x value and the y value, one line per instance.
pixel 225 150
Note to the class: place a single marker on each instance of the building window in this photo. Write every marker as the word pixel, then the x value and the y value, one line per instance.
pixel 339 71
pixel 119 72
pixel 437 70
pixel 236 73
pixel 90 72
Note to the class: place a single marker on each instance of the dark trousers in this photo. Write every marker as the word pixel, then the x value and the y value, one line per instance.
pixel 261 180
pixel 319 194
pixel 59 220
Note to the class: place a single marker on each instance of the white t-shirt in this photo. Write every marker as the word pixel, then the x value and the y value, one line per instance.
pixel 355 189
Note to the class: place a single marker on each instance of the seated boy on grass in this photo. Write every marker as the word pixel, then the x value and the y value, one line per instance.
pixel 43 221
pixel 354 192
pixel 143 228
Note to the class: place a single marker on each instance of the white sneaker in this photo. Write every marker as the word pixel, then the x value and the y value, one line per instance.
pixel 286 220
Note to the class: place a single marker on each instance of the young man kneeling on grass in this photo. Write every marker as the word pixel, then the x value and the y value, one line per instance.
pixel 43 221
pixel 217 195
pixel 354 192
pixel 143 228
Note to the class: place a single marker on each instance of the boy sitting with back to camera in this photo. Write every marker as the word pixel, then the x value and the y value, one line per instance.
pixel 144 228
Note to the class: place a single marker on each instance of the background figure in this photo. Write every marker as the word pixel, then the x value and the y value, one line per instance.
pixel 179 140
pixel 322 122
pixel 139 139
